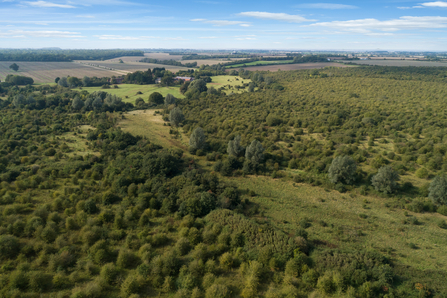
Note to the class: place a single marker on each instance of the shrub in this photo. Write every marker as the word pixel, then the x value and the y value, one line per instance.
pixel 385 180
pixel 438 190
pixel 109 273
pixel 442 210
pixel 131 285
pixel 183 246
pixel 9 246
pixel 18 280
pixel 127 259
pixel 218 291
pixel 343 169
pixel 40 282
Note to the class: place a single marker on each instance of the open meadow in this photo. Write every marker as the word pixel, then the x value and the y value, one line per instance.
pixel 46 72
pixel 228 83
pixel 128 92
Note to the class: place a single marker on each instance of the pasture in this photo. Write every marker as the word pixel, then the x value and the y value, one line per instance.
pixel 130 90
pixel 228 83
pixel 46 72
pixel 394 62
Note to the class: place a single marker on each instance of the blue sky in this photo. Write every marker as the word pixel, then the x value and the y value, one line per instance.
pixel 288 25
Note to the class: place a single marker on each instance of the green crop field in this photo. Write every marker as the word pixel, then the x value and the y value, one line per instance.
pixel 130 90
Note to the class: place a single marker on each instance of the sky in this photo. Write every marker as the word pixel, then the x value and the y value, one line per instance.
pixel 394 25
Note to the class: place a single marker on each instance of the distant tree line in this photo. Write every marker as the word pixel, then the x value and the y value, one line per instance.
pixel 63 55
pixel 205 57
pixel 168 62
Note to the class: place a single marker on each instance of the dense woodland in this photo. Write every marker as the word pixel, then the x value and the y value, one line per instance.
pixel 90 211
pixel 57 55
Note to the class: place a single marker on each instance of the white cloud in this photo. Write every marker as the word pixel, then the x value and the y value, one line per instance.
pixel 246 38
pixel 119 37
pixel 403 23
pixel 208 37
pixel 275 16
pixel 221 22
pixel 50 34
pixel 435 4
pixel 326 6
pixel 48 4
pixel 175 38
pixel 86 16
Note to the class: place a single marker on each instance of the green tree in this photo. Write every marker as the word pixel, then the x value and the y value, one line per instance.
pixel 85 81
pixel 386 180
pixel 14 67
pixel 156 98
pixel 77 103
pixel 437 191
pixel 255 152
pixel 342 170
pixel 197 139
pixel 170 99
pixel 199 85
pixel 234 147
pixel 176 117
pixel 63 82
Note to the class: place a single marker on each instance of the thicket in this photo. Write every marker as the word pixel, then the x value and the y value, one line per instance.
pixel 125 217
pixel 377 116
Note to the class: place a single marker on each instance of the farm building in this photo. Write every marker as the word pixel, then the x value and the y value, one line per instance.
pixel 157 80
pixel 186 79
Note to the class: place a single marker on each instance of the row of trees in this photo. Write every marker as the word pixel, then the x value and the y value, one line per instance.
pixel 63 55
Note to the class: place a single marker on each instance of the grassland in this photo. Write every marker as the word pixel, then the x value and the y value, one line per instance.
pixel 228 83
pixel 130 90
pixel 46 72
pixel 148 123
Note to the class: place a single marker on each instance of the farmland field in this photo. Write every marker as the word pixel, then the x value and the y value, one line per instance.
pixel 256 63
pixel 130 90
pixel 160 56
pixel 297 66
pixel 131 66
pixel 393 62
pixel 228 82
pixel 46 72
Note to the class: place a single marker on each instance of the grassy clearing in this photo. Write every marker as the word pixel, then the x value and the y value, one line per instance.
pixel 130 90
pixel 351 221
pixel 256 63
pixel 229 83
pixel 149 124
pixel 77 142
